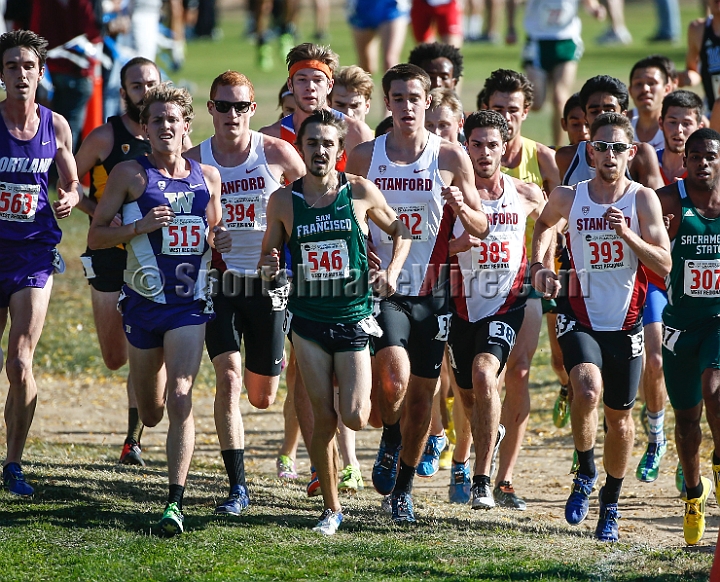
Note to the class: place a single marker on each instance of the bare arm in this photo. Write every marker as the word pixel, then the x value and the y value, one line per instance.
pixel 193 154
pixel 284 160
pixel 279 210
pixel 652 246
pixel 218 236
pixel 358 132
pixel 126 182
pixel 69 188
pixel 93 151
pixel 359 160
pixel 272 130
pixel 691 75
pixel 644 167
pixel 462 195
pixel 548 168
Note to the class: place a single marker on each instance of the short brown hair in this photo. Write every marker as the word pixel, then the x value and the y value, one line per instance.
pixel 231 79
pixel 167 93
pixel 614 120
pixel 324 117
pixel 356 79
pixel 446 98
pixel 405 72
pixel 24 39
pixel 508 81
pixel 313 52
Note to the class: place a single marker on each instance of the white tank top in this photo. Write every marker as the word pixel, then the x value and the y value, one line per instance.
pixel 552 19
pixel 244 195
pixel 493 273
pixel 657 141
pixel 610 278
pixel 413 190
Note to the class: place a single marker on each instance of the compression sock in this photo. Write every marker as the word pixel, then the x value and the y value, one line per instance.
pixel 391 434
pixel 234 460
pixel 135 427
pixel 611 490
pixel 656 426
pixel 405 477
pixel 176 495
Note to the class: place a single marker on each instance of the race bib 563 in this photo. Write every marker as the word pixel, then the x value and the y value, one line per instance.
pixel 18 202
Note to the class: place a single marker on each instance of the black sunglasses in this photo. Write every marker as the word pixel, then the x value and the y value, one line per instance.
pixel 239 106
pixel 618 147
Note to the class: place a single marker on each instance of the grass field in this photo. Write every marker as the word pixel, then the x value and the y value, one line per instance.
pixel 92 520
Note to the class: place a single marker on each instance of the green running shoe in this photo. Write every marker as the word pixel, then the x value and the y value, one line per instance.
pixel 171 522
pixel 351 480
pixel 575 464
pixel 265 58
pixel 649 466
pixel 287 42
pixel 561 410
pixel 680 479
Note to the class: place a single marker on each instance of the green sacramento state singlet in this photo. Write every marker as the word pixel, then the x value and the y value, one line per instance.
pixel 694 281
pixel 329 260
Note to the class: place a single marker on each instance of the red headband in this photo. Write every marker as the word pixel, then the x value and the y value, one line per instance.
pixel 310 64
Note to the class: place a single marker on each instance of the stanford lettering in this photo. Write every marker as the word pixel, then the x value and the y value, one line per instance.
pixel 243 185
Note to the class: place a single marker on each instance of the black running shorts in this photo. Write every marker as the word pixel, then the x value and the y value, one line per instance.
pixel 618 354
pixel 494 335
pixel 105 268
pixel 331 337
pixel 418 324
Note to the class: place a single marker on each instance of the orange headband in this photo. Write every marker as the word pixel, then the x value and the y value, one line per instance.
pixel 310 64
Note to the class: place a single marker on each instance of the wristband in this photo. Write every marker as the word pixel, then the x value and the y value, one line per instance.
pixel 536 263
pixel 135 230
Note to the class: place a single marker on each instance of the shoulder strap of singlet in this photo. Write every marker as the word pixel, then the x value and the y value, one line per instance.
pixel 681 189
pixel 573 165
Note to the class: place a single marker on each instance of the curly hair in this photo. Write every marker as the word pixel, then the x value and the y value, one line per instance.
pixel 507 81
pixel 429 51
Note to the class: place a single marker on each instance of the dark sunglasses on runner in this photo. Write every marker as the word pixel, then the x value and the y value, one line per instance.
pixel 239 106
pixel 618 147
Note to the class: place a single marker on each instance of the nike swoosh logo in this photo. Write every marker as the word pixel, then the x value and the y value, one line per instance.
pixel 46 142
pixel 343 206
pixel 193 186
pixel 278 361
pixel 251 170
pixel 418 171
pixel 503 205
pixel 438 366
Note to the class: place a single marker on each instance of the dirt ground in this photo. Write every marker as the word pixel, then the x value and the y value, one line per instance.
pixel 77 412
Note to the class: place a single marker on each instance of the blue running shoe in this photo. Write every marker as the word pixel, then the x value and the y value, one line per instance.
pixel 402 508
pixel 430 461
pixel 577 505
pixel 234 504
pixel 607 526
pixel 14 480
pixel 460 483
pixel 385 469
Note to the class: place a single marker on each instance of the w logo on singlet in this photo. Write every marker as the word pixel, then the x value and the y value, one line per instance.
pixel 181 202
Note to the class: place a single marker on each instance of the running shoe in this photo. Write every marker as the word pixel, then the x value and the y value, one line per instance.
pixel 694 520
pixel 402 508
pixel 384 473
pixel 615 37
pixel 679 479
pixel 460 483
pixel 644 422
pixel 482 497
pixel 607 525
pixel 386 504
pixel 131 453
pixel 496 450
pixel 505 496
pixel 265 58
pixel 450 428
pixel 649 467
pixel 313 488
pixel 287 42
pixel 329 522
pixel 172 520
pixel 561 410
pixel 716 478
pixel 14 480
pixel 235 503
pixel 575 464
pixel 286 467
pixel 578 504
pixel 430 461
pixel 351 480
pixel 446 456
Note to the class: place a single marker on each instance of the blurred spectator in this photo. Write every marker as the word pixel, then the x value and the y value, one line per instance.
pixel 446 15
pixel 386 19
pixel 618 32
pixel 473 20
pixel 145 15
pixel 322 20
pixel 668 12
pixel 61 21
pixel 18 13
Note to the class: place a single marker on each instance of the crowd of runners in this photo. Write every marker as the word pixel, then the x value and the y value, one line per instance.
pixel 410 268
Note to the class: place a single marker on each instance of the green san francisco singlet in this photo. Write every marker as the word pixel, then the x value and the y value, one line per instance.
pixel 694 281
pixel 329 260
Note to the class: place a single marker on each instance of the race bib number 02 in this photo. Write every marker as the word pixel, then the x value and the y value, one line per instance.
pixel 239 212
pixel 325 260
pixel 493 253
pixel 184 236
pixel 18 202
pixel 415 217
pixel 702 278
pixel 605 251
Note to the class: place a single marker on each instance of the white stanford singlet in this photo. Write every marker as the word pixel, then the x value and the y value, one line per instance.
pixel 612 282
pixel 244 195
pixel 413 190
pixel 493 273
